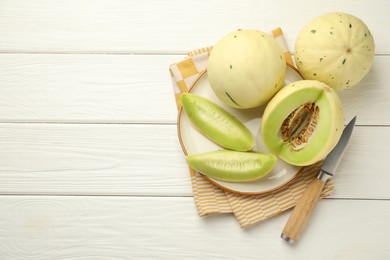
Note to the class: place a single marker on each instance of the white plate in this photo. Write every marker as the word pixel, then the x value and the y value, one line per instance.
pixel 192 141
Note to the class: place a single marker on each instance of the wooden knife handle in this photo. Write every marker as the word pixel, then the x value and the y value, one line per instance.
pixel 302 211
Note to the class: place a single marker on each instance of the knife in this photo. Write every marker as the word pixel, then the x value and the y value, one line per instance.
pixel 300 215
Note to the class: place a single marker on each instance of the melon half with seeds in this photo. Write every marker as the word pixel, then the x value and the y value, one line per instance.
pixel 335 48
pixel 303 122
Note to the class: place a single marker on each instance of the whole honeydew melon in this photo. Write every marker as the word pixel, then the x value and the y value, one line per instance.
pixel 335 48
pixel 246 68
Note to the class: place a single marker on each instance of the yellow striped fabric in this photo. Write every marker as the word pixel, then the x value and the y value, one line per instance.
pixel 252 209
pixel 210 199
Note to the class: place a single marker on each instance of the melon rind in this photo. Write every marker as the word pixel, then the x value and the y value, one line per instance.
pixel 246 68
pixel 217 124
pixel 335 48
pixel 329 127
pixel 232 166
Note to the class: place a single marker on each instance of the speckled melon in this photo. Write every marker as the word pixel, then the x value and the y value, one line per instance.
pixel 335 48
pixel 246 68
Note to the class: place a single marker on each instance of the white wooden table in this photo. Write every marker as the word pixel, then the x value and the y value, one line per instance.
pixel 91 167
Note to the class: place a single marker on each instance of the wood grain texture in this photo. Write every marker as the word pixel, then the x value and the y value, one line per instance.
pixel 87 88
pixel 162 26
pixel 146 160
pixel 76 183
pixel 92 159
pixel 302 211
pixel 133 89
pixel 84 228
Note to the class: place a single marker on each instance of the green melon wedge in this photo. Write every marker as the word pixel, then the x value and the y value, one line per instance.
pixel 232 166
pixel 217 124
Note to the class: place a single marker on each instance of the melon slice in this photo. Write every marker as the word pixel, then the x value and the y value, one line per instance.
pixel 232 166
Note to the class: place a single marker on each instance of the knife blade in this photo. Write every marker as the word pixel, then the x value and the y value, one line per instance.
pixel 300 215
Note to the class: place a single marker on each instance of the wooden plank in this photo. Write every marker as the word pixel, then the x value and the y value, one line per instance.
pixel 92 159
pixel 369 96
pixel 155 26
pixel 147 160
pixel 168 228
pixel 132 89
pixel 87 88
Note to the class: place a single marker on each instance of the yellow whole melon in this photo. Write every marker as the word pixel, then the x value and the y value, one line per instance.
pixel 246 68
pixel 335 48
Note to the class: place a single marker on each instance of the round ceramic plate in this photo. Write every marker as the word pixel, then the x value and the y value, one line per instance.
pixel 193 142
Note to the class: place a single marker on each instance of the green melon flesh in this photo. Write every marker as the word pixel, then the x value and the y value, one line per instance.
pixel 232 166
pixel 329 126
pixel 217 124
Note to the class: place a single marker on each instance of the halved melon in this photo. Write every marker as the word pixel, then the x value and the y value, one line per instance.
pixel 303 122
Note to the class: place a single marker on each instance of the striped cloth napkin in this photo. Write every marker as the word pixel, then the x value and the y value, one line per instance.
pixel 210 199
